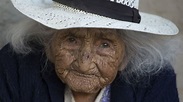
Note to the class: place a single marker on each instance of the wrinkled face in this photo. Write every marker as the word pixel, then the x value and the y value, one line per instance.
pixel 86 59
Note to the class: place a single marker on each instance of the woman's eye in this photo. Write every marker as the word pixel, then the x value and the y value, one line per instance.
pixel 72 40
pixel 105 45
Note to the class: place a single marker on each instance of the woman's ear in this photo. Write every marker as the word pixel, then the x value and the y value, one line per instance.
pixel 123 63
pixel 49 47
pixel 49 52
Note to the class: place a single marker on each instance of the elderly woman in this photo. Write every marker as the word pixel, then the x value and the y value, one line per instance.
pixel 71 55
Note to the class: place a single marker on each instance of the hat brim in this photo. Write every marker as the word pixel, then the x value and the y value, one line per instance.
pixel 58 16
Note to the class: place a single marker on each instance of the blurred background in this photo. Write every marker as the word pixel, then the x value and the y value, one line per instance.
pixel 170 9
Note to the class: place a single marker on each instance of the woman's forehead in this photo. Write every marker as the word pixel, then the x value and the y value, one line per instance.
pixel 92 32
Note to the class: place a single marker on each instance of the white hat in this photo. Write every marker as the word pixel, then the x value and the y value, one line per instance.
pixel 115 14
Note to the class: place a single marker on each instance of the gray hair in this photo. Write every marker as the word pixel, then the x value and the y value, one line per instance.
pixel 146 54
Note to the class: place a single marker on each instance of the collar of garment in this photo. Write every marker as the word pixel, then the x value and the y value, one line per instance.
pixel 103 96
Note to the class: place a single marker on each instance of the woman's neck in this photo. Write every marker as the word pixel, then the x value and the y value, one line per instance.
pixel 84 97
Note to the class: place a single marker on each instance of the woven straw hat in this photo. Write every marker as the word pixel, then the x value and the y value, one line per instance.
pixel 115 14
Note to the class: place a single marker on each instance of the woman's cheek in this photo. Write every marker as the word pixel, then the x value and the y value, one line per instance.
pixel 106 66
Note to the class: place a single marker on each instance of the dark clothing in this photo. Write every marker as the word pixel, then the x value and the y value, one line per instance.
pixel 30 78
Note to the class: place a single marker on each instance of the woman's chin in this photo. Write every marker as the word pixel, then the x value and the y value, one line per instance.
pixel 83 83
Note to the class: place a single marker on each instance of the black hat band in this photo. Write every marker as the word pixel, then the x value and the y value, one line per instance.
pixel 105 8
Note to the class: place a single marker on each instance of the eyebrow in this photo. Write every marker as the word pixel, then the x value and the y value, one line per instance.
pixel 107 34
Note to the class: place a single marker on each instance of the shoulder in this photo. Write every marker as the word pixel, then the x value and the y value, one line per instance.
pixel 6 51
pixel 166 75
pixel 163 87
pixel 20 75
pixel 10 61
pixel 8 74
pixel 7 57
pixel 159 87
pixel 14 65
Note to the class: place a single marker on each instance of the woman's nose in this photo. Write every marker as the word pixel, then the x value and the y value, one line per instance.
pixel 85 59
pixel 86 51
pixel 86 56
